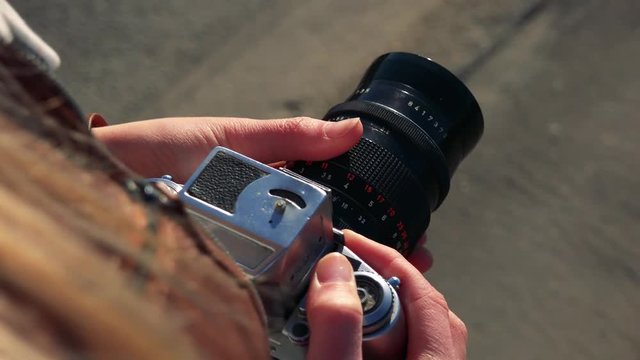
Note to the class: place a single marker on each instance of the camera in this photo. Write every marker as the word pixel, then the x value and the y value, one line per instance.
pixel 277 225
pixel 419 122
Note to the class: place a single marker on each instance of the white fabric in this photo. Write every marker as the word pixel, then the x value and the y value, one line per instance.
pixel 13 28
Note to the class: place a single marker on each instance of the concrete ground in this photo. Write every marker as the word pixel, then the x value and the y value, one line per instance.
pixel 537 246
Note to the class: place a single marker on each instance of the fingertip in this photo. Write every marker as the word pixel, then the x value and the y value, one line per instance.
pixel 421 259
pixel 370 250
pixel 354 238
pixel 422 240
pixel 334 311
pixel 333 285
pixel 334 267
pixel 299 138
pixel 335 138
pixel 348 128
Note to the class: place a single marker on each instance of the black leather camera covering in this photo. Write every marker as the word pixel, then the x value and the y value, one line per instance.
pixel 222 180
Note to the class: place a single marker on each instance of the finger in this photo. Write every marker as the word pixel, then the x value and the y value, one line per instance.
pixel 427 310
pixel 177 145
pixel 421 258
pixel 389 262
pixel 459 334
pixel 298 138
pixel 422 240
pixel 334 311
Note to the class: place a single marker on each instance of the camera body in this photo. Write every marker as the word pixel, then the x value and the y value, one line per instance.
pixel 419 122
pixel 277 225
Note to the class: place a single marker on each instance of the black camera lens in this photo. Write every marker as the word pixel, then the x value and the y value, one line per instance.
pixel 419 122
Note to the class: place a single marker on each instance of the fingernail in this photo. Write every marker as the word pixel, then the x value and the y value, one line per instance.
pixel 334 268
pixel 334 130
pixel 96 120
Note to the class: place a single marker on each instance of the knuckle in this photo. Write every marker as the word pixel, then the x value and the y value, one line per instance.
pixel 395 261
pixel 464 331
pixel 336 303
pixel 296 124
pixel 214 134
pixel 397 265
pixel 460 327
pixel 430 300
pixel 337 313
pixel 439 299
pixel 342 310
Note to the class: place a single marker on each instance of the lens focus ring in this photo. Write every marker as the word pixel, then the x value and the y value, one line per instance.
pixel 392 187
pixel 432 170
pixel 383 170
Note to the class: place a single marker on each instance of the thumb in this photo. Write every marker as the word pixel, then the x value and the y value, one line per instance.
pixel 334 311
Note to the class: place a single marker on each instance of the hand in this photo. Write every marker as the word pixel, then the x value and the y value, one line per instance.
pixel 176 146
pixel 335 313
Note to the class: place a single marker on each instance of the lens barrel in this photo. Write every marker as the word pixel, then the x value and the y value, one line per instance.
pixel 419 122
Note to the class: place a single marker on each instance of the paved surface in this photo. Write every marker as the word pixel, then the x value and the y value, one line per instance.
pixel 537 245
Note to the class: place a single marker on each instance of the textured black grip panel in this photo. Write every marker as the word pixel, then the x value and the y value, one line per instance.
pixel 222 180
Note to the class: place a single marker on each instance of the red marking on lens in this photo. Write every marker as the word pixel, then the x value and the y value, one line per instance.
pixel 351 176
pixel 391 212
pixel 324 165
pixel 368 188
pixel 405 247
